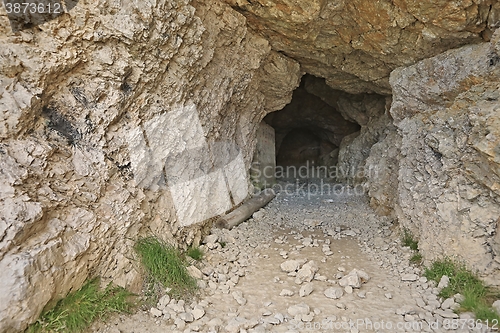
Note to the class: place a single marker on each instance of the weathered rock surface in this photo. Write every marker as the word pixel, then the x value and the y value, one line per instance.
pixel 356 44
pixel 446 109
pixel 119 120
pixel 108 113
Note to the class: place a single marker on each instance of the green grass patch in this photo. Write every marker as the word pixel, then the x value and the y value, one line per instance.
pixel 416 259
pixel 223 244
pixel 78 310
pixel 477 296
pixel 195 252
pixel 165 265
pixel 409 240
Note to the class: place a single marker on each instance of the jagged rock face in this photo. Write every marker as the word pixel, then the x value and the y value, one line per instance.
pixel 119 121
pixel 356 44
pixel 447 111
pixel 122 119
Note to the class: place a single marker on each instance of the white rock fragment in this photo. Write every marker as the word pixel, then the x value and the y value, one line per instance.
pixel 443 283
pixel 195 272
pixel 307 272
pixel 306 289
pixel 334 292
pixel 290 266
pixel 211 239
pixel 409 277
pixel 238 296
pixel 187 317
pixel 198 312
pixel 496 305
pixel 298 309
pixel 287 292
pixel 163 302
pixel 155 312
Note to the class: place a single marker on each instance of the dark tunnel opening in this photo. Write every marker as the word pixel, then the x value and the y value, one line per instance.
pixel 309 131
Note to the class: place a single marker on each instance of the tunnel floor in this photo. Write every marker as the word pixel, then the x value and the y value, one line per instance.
pixel 284 270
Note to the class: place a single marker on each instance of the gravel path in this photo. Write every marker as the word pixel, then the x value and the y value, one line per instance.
pixel 305 263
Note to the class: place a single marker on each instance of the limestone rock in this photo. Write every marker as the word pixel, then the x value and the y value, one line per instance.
pixel 286 292
pixel 155 312
pixel 290 266
pixel 298 309
pixel 198 312
pixel 443 283
pixel 307 271
pixel 409 277
pixel 195 272
pixel 306 289
pixel 334 292
pixel 496 306
pixel 357 45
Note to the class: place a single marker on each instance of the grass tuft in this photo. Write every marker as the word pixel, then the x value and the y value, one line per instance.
pixel 477 296
pixel 165 265
pixel 409 240
pixel 223 244
pixel 78 310
pixel 195 252
pixel 416 258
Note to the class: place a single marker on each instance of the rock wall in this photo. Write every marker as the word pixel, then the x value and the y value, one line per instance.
pixel 447 113
pixel 356 44
pixel 120 121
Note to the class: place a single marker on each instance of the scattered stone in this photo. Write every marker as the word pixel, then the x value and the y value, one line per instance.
pixel 211 239
pixel 187 317
pixel 272 321
pixel 307 318
pixel 259 215
pixel 460 298
pixel 352 279
pixel 179 323
pixel 307 272
pixel 334 292
pixel 348 290
pixel 388 295
pixel 280 317
pixel 443 283
pixel 163 302
pixel 286 292
pixel 448 303
pixel 467 316
pixel 156 312
pixel 409 277
pixel 306 289
pixel 496 305
pixel 290 266
pixel 446 313
pixel 299 309
pixel 238 296
pixel 195 272
pixel 198 312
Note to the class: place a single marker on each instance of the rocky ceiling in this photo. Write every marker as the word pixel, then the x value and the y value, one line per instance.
pixel 355 44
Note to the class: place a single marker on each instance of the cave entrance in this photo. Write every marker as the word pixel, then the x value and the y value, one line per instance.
pixel 309 131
